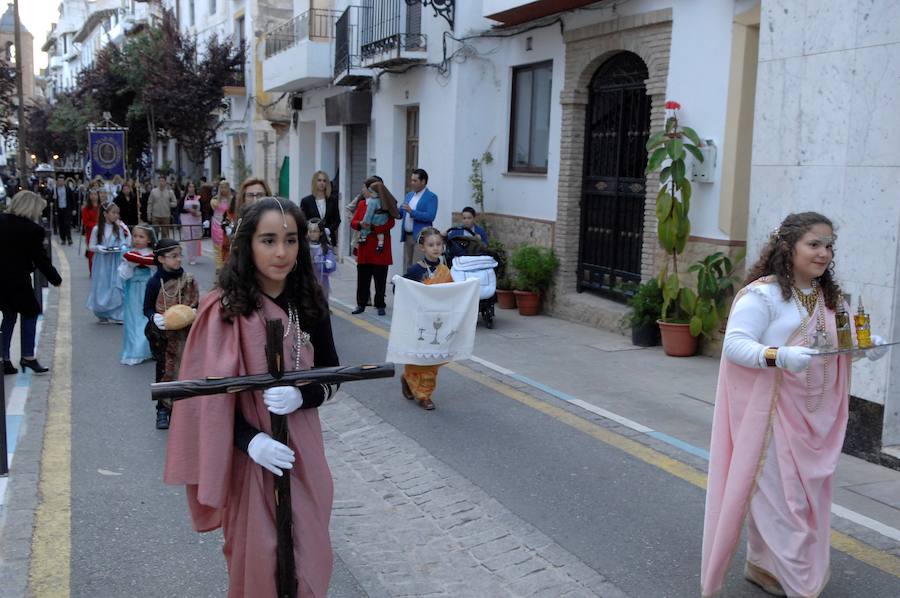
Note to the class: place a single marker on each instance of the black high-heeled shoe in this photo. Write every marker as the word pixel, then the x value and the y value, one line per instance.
pixel 36 367
pixel 9 368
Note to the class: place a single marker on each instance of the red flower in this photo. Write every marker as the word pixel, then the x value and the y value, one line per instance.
pixel 672 105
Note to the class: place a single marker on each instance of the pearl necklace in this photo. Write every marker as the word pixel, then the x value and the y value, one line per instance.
pixel 804 327
pixel 300 338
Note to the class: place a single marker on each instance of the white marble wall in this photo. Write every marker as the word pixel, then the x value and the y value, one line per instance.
pixel 825 139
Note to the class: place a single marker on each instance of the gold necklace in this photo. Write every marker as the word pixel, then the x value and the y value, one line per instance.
pixel 804 327
pixel 807 301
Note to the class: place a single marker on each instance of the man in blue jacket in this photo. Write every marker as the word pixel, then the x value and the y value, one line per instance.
pixel 419 210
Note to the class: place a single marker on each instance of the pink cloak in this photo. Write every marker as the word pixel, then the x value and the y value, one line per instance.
pixel 224 486
pixel 760 413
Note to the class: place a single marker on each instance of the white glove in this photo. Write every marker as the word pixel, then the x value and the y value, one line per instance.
pixel 270 453
pixel 878 352
pixel 101 249
pixel 160 321
pixel 793 358
pixel 329 264
pixel 206 224
pixel 282 400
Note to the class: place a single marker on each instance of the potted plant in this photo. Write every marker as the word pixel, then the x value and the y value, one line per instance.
pixel 715 284
pixel 669 148
pixel 505 297
pixel 535 267
pixel 644 309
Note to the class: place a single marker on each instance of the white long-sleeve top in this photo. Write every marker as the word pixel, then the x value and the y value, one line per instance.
pixel 761 318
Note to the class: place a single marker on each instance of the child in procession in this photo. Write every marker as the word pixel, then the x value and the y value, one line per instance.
pixel 220 447
pixel 90 213
pixel 135 271
pixel 170 286
pixel 322 255
pixel 109 240
pixel 419 381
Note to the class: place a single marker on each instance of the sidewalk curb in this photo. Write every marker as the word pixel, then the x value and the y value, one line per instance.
pixel 22 498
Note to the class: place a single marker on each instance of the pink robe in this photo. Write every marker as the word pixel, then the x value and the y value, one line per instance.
pixel 224 486
pixel 760 413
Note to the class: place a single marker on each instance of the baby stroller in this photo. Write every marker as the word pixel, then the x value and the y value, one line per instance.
pixel 468 258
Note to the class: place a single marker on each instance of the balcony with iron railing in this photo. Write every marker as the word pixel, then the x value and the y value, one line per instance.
pixel 348 69
pixel 298 52
pixel 391 33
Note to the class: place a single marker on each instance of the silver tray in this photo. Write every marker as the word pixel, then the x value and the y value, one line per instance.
pixel 852 350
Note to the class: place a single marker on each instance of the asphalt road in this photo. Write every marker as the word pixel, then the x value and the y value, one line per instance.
pixel 632 522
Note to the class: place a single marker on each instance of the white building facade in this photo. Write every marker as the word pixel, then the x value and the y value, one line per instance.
pixel 82 29
pixel 564 94
pixel 254 119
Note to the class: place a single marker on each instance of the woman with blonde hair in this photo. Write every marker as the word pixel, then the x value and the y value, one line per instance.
pixel 221 205
pixel 22 248
pixel 322 203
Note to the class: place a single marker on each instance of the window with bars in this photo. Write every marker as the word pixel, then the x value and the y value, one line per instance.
pixel 529 139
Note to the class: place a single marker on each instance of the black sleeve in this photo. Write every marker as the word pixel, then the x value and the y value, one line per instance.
pixel 150 295
pixel 40 260
pixel 326 356
pixel 415 272
pixel 243 431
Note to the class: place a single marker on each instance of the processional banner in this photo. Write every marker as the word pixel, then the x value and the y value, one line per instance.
pixel 432 324
pixel 106 150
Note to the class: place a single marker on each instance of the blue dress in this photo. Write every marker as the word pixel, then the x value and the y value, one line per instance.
pixel 106 299
pixel 135 347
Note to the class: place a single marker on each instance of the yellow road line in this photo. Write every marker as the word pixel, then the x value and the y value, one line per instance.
pixel 860 551
pixel 51 544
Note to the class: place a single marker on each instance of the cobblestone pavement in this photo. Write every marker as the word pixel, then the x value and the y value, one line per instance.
pixel 407 524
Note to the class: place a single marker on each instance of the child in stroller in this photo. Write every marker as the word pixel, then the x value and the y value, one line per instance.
pixel 469 258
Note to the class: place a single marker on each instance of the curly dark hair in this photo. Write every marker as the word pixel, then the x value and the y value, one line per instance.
pixel 777 257
pixel 240 292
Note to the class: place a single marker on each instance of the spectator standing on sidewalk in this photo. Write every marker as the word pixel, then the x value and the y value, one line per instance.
pixel 419 210
pixel 371 263
pixel 780 417
pixel 219 446
pixel 322 203
pixel 128 204
pixel 162 201
pixel 65 205
pixel 21 251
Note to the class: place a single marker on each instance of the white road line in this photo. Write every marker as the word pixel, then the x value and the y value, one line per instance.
pixel 17 397
pixel 612 416
pixel 872 524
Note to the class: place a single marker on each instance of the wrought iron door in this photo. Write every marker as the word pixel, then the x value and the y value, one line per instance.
pixel 614 185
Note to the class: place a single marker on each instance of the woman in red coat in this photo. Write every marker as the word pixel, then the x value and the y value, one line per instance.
pixel 372 261
pixel 89 215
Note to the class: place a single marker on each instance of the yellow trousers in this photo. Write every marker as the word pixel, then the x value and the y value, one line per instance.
pixel 421 379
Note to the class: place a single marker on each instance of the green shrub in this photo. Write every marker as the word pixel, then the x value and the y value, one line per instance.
pixel 645 305
pixel 535 267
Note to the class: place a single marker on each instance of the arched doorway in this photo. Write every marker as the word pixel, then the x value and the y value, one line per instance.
pixel 613 194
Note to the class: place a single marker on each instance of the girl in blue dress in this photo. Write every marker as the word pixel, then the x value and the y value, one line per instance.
pixel 135 271
pixel 109 240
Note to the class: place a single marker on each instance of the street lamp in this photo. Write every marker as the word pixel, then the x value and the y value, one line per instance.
pixel 56 156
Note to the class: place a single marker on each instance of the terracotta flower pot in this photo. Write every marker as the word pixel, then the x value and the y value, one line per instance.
pixel 529 303
pixel 677 340
pixel 506 299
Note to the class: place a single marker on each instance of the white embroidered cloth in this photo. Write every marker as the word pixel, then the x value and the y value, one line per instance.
pixel 432 324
